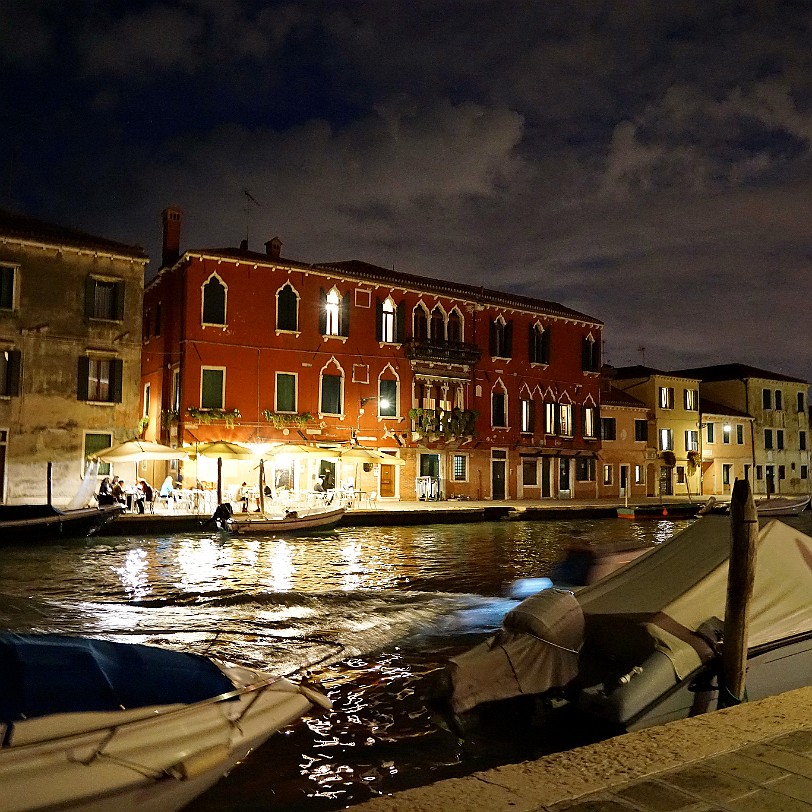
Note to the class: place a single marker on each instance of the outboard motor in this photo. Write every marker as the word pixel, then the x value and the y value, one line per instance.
pixel 221 516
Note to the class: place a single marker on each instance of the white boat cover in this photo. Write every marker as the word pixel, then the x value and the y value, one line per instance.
pixel 658 601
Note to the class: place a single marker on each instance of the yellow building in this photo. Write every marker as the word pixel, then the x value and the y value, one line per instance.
pixel 672 452
pixel 726 447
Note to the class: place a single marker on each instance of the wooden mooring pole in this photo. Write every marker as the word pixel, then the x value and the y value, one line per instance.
pixel 740 579
pixel 49 487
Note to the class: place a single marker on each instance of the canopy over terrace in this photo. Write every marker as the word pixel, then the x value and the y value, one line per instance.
pixel 220 450
pixel 139 451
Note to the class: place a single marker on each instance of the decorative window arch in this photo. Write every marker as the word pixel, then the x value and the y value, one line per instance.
pixel 527 410
pixel 388 392
pixel 287 308
pixel 389 321
pixel 539 344
pixel 331 389
pixel 499 405
pixel 438 324
pixel 215 299
pixel 591 418
pixel 420 322
pixel 501 338
pixel 332 311
pixel 590 354
pixel 456 323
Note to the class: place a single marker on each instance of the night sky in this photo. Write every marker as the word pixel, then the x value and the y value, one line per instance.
pixel 647 162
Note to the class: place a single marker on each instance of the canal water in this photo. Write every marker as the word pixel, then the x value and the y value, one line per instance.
pixel 372 614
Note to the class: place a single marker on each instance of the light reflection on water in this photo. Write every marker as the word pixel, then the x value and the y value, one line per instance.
pixel 373 612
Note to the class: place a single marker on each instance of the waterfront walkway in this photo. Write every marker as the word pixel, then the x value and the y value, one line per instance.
pixel 756 757
pixel 402 513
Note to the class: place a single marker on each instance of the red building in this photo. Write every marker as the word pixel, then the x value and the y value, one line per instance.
pixel 481 394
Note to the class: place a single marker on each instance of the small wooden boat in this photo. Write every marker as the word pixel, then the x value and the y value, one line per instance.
pixel 45 522
pixel 96 725
pixel 661 511
pixel 782 505
pixel 291 522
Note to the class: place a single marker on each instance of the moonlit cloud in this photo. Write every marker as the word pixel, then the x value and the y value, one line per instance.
pixel 646 163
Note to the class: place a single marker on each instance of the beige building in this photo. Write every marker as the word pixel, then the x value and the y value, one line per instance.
pixel 622 459
pixel 726 447
pixel 672 452
pixel 70 334
pixel 779 408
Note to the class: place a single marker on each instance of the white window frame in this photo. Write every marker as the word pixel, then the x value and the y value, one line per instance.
pixel 295 376
pixel 205 369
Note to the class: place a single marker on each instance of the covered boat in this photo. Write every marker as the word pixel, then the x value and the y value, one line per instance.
pixel 96 725
pixel 642 646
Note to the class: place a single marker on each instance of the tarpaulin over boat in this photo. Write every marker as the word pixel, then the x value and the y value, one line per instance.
pixel 683 584
pixel 662 601
pixel 46 674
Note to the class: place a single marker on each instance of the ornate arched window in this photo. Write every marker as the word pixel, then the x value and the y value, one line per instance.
pixel 214 301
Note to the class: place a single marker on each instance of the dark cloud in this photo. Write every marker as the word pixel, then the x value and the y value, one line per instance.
pixel 648 163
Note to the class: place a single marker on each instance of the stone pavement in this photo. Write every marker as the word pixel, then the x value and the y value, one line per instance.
pixel 756 757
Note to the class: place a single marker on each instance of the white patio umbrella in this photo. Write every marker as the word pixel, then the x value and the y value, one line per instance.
pixel 223 450
pixel 360 454
pixel 138 450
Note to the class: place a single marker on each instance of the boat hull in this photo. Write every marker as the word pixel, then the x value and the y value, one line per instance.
pixel 156 758
pixel 45 523
pixel 262 525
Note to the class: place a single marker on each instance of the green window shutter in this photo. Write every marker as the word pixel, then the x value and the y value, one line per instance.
pixel 285 392
pixel 493 338
pixel 6 287
pixel 211 394
pixel 331 394
pixel 388 391
pixel 116 380
pixel 545 345
pixel 82 377
pixel 401 336
pixel 532 344
pixel 379 319
pixel 13 373
pixel 119 301
pixel 345 314
pixel 90 297
pixel 509 339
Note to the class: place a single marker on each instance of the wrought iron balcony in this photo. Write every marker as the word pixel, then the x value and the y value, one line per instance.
pixel 445 352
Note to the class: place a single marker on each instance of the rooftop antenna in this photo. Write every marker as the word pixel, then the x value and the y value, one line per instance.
pixel 249 198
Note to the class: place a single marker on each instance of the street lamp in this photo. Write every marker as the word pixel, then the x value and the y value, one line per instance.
pixel 382 402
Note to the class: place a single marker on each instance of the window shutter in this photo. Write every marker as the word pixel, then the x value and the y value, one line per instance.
pixel 345 314
pixel 509 339
pixel 493 339
pixel 119 303
pixel 82 378
pixel 532 348
pixel 378 319
pixel 545 345
pixel 322 312
pixel 401 336
pixel 13 371
pixel 116 380
pixel 90 297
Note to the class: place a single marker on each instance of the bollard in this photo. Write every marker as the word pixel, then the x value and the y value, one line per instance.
pixel 740 579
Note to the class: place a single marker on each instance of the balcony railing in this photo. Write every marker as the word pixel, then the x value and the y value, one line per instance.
pixel 448 352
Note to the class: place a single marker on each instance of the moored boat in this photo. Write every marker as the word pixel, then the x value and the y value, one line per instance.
pixel 46 522
pixel 662 511
pixel 782 505
pixel 96 725
pixel 642 646
pixel 290 522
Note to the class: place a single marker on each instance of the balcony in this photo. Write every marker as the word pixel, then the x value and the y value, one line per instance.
pixel 444 352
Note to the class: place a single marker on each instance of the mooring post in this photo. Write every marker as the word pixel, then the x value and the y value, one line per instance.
pixel 740 578
pixel 49 487
pixel 219 481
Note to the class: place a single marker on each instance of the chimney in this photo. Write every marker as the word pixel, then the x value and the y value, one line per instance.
pixel 171 245
pixel 273 248
pixel 243 245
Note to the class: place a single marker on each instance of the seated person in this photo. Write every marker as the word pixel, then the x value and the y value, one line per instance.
pixel 318 487
pixel 105 495
pixel 118 491
pixel 143 495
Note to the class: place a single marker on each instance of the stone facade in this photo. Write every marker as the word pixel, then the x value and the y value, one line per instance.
pixel 70 335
